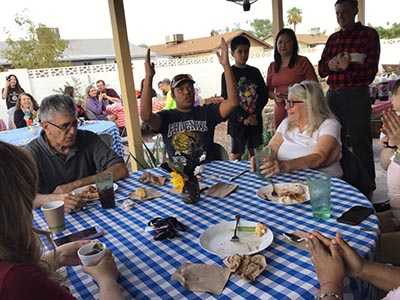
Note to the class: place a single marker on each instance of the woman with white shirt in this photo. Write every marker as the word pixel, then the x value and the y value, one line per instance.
pixel 309 138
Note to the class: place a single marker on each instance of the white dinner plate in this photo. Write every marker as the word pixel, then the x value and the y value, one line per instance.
pixel 265 192
pixel 216 239
pixel 78 190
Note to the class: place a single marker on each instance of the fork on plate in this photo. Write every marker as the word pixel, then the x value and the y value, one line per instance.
pixel 235 238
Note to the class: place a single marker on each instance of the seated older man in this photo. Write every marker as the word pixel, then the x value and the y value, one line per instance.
pixel 67 158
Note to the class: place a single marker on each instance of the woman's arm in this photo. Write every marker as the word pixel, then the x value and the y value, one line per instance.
pixel 384 277
pixel 324 153
pixel 65 255
pixel 106 274
pixel 5 90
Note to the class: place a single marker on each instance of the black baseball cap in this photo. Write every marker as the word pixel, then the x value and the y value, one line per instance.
pixel 178 79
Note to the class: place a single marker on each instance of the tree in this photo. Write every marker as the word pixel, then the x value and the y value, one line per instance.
pixel 294 17
pixel 262 28
pixel 39 48
pixel 225 30
pixel 388 33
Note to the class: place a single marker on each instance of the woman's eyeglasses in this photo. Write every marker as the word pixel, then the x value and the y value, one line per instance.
pixel 67 126
pixel 291 103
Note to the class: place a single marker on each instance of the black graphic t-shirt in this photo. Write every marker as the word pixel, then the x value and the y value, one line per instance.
pixel 253 96
pixel 12 96
pixel 181 130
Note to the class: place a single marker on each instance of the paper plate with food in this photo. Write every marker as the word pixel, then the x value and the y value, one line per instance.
pixel 285 193
pixel 253 238
pixel 89 192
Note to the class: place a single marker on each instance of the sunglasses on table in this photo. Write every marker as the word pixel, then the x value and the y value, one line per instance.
pixel 67 126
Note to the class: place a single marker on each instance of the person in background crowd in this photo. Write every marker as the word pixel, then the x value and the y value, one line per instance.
pixel 109 95
pixel 309 138
pixel 245 123
pixel 153 92
pixel 160 88
pixel 70 91
pixel 348 80
pixel 170 102
pixel 26 110
pixel 67 158
pixel 113 104
pixel 10 94
pixel 96 104
pixel 287 68
pixel 25 272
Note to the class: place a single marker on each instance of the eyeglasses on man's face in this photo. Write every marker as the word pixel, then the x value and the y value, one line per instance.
pixel 67 126
pixel 291 103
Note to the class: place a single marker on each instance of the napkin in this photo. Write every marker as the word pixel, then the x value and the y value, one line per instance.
pixel 151 194
pixel 221 190
pixel 128 204
pixel 301 245
pixel 202 278
pixel 150 178
pixel 246 266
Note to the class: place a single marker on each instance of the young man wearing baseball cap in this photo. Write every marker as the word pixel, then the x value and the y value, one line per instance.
pixel 186 125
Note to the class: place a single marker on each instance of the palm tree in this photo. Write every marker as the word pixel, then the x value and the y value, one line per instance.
pixel 294 17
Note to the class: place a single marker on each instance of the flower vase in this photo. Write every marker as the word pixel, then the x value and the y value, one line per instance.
pixel 191 191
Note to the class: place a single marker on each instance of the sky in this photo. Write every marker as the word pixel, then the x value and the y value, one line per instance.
pixel 150 21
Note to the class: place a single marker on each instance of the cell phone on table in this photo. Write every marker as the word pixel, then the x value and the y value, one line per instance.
pixel 355 215
pixel 85 234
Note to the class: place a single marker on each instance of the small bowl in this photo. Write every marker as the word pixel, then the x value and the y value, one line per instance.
pixel 89 259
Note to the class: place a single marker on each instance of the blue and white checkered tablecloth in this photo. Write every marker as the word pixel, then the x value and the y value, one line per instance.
pixel 146 265
pixel 22 136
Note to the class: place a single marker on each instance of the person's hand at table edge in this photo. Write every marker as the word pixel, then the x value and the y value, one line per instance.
pixel 105 273
pixel 65 255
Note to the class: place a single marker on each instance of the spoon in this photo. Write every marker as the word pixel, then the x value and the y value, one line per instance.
pixel 293 237
pixel 235 238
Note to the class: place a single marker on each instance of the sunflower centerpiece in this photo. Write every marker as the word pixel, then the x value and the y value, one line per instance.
pixel 183 174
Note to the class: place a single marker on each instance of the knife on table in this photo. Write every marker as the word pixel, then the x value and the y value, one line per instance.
pixel 238 175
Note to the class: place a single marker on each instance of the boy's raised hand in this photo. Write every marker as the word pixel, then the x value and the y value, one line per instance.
pixel 149 66
pixel 223 56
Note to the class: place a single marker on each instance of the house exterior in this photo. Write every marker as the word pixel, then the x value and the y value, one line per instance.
pixel 306 40
pixel 81 52
pixel 176 47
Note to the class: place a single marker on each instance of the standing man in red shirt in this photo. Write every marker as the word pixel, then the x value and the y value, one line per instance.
pixel 350 60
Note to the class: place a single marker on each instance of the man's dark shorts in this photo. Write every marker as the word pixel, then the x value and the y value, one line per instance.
pixel 239 143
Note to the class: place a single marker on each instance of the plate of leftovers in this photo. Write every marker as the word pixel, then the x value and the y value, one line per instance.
pixel 89 192
pixel 285 193
pixel 253 238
